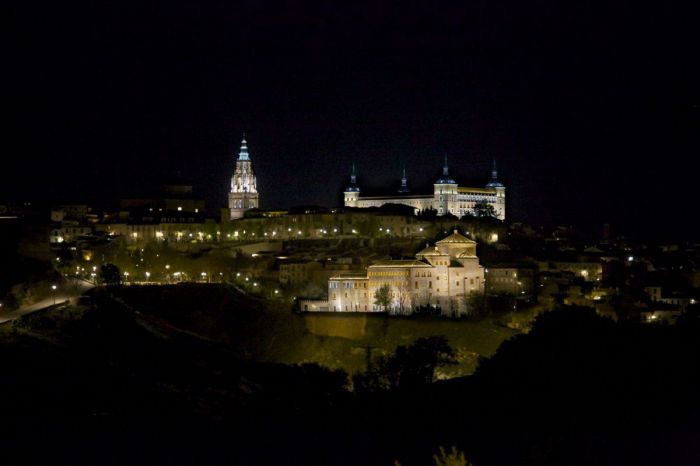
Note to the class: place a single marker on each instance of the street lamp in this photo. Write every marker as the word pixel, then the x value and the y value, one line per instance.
pixel 53 290
pixel 148 275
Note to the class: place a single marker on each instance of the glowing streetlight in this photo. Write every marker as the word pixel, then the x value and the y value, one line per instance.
pixel 53 290
pixel 148 275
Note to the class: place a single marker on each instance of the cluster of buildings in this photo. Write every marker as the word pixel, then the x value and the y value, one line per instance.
pixel 657 282
pixel 178 215
pixel 447 196
pixel 441 276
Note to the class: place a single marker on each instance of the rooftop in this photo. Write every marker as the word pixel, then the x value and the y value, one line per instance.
pixel 455 237
pixel 399 263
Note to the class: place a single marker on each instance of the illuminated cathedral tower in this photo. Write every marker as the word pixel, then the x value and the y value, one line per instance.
pixel 244 191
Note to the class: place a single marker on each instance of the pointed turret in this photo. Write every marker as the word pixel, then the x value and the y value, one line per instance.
pixel 445 178
pixel 494 183
pixel 243 152
pixel 404 183
pixel 353 187
pixel 352 192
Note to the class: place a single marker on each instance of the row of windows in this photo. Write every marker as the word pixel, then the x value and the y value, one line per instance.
pixel 393 273
pixel 356 308
pixel 334 296
pixel 347 285
pixel 238 204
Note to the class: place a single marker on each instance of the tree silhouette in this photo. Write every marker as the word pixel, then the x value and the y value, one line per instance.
pixel 483 209
pixel 409 367
pixel 110 275
pixel 382 297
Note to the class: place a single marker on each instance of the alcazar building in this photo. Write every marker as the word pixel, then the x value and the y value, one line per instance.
pixel 447 196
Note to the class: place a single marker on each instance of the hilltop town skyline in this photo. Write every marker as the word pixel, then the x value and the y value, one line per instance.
pixel 107 99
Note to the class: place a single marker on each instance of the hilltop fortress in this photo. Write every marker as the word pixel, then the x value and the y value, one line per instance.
pixel 447 196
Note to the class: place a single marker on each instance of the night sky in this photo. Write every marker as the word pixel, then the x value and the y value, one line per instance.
pixel 590 109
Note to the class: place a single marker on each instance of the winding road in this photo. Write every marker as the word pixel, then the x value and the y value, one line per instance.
pixel 65 292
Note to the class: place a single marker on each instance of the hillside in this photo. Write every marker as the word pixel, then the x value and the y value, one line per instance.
pixel 268 331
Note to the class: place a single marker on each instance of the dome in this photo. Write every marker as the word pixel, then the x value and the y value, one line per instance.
pixel 430 251
pixel 445 180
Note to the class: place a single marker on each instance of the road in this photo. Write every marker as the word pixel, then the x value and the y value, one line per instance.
pixel 65 292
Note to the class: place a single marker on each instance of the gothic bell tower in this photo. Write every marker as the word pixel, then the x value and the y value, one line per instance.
pixel 244 191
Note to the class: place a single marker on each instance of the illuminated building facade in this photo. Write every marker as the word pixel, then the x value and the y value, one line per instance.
pixel 244 191
pixel 441 276
pixel 447 196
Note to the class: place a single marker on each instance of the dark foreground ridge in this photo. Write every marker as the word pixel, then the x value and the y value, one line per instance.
pixel 106 385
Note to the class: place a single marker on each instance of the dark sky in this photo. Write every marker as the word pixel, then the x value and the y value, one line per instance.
pixel 591 109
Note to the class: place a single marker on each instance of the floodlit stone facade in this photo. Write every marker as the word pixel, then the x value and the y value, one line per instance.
pixel 244 190
pixel 447 196
pixel 442 276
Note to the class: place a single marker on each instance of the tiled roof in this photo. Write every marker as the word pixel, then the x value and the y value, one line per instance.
pixel 455 238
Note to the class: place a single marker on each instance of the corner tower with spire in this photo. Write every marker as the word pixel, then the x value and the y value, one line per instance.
pixel 445 192
pixel 352 192
pixel 244 191
pixel 500 202
pixel 404 183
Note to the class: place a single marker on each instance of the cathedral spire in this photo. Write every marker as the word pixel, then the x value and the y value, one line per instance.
pixel 243 152
pixel 494 172
pixel 445 170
